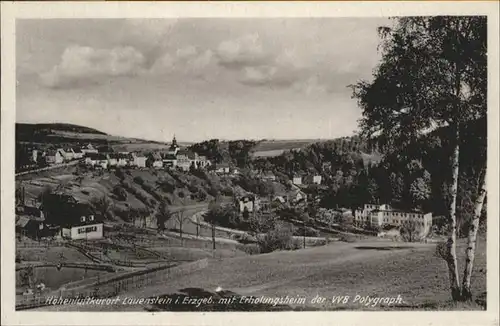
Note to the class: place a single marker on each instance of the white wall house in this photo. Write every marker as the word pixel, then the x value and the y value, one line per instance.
pixel 86 232
pixel 380 215
pixel 112 159
pixel 139 160
pixel 317 179
pixel 297 180
pixel 89 149
pixel 77 153
pixel 54 157
pixel 247 202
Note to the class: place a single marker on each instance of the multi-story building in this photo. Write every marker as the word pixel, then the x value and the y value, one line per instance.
pixel 382 215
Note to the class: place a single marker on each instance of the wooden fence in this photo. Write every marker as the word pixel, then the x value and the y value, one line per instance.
pixel 114 285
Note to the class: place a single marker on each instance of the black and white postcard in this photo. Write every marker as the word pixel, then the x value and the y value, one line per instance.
pixel 303 160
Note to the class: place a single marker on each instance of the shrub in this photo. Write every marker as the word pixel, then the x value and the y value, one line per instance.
pixel 119 174
pixel 251 249
pixel 227 191
pixel 201 195
pixel 124 214
pixel 279 238
pixel 348 238
pixel 166 186
pixel 309 231
pixel 139 180
pixel 244 238
pixel 192 188
pixel 120 193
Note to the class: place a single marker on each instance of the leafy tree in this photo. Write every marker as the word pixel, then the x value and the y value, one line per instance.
pixel 432 74
pixel 163 214
pixel 120 193
pixel 181 217
pixel 304 217
pixel 420 191
pixel 102 205
pixel 410 230
pixel 397 184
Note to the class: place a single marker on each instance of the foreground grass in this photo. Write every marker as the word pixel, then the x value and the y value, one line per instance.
pixel 374 269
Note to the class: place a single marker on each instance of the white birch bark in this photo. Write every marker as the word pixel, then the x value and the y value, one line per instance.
pixel 471 241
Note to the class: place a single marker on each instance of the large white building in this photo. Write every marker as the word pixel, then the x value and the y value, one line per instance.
pixel 381 215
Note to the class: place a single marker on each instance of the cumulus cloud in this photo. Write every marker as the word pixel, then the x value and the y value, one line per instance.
pixel 82 65
pixel 263 65
pixel 242 52
pixel 187 60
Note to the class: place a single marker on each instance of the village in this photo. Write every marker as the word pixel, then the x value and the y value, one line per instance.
pixel 369 216
pixel 242 168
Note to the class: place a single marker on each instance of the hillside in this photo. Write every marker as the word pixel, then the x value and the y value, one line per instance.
pixel 65 134
pixel 40 128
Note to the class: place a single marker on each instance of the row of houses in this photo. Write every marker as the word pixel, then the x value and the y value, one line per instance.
pixel 296 179
pixel 62 155
pixel 252 203
pixel 308 179
pixel 182 159
pixel 110 160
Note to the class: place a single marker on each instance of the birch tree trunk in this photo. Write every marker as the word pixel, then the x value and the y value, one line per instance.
pixel 451 259
pixel 471 241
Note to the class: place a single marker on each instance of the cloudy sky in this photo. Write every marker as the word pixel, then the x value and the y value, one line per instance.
pixel 197 78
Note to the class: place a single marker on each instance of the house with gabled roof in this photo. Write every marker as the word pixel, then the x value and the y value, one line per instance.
pixel 139 160
pixel 222 168
pixel 77 153
pixel 124 159
pixel 97 160
pixel 156 160
pixel 169 160
pixel 112 159
pixel 53 156
pixel 89 149
pixel 297 179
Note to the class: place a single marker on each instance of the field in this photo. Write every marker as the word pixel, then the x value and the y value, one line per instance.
pixel 373 268
pixel 267 148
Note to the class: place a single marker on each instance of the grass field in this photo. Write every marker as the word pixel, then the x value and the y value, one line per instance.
pixel 366 269
pixel 375 269
pixel 54 278
pixel 51 255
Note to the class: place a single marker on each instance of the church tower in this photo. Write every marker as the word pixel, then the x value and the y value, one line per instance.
pixel 174 148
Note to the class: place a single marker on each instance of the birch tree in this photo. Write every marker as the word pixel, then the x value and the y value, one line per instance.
pixel 432 74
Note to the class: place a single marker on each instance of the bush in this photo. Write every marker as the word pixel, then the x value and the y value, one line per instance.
pixel 227 191
pixel 120 193
pixel 166 186
pixel 244 238
pixel 348 238
pixel 139 180
pixel 310 232
pixel 279 238
pixel 119 174
pixel 251 249
pixel 124 214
